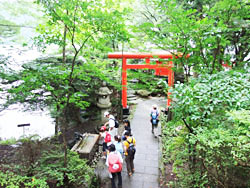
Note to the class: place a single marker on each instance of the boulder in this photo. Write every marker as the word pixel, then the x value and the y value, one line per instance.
pixel 143 93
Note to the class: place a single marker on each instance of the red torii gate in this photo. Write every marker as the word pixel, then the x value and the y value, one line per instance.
pixel 161 69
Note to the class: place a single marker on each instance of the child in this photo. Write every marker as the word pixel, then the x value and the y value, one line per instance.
pixel 118 145
pixel 127 128
pixel 104 134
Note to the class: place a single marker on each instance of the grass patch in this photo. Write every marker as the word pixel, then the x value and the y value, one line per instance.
pixel 8 141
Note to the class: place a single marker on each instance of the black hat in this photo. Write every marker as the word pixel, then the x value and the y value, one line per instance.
pixel 125 121
pixel 111 147
pixel 127 133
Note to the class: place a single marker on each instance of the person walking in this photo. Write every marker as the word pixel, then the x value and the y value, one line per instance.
pixel 106 140
pixel 127 128
pixel 114 162
pixel 129 149
pixel 118 145
pixel 154 118
pixel 111 123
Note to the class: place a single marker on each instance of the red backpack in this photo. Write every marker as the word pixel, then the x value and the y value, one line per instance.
pixel 107 138
pixel 114 162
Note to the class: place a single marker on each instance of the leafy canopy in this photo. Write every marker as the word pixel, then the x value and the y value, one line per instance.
pixel 213 34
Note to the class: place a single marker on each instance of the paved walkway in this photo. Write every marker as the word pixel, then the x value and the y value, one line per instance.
pixel 146 159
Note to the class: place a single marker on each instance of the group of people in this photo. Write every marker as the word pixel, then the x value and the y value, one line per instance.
pixel 117 147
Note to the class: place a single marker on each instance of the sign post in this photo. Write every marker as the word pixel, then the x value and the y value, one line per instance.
pixel 23 126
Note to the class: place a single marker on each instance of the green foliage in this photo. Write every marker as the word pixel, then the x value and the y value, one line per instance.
pixel 95 23
pixel 211 32
pixel 45 84
pixel 211 129
pixel 9 141
pixel 207 99
pixel 41 163
pixel 148 81
pixel 78 27
pixel 78 172
pixel 9 179
pixel 242 116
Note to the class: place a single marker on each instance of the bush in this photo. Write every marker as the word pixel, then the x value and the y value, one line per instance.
pixel 41 164
pixel 9 179
pixel 78 173
pixel 208 139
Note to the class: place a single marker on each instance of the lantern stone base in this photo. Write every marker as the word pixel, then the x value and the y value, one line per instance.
pixel 125 111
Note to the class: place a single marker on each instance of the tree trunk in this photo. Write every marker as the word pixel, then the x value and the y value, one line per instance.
pixel 56 126
pixel 57 120
pixel 64 45
pixel 64 130
pixel 170 115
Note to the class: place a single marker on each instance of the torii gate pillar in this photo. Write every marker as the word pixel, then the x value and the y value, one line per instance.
pixel 161 69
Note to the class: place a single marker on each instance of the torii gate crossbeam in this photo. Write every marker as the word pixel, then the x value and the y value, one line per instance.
pixel 160 68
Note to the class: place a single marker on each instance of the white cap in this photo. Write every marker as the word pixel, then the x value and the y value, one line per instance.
pixel 154 106
pixel 106 113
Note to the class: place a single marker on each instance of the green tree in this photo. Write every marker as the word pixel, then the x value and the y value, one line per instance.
pixel 212 36
pixel 77 27
pixel 82 23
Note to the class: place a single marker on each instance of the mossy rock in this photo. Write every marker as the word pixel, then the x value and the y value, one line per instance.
pixel 143 93
pixel 56 60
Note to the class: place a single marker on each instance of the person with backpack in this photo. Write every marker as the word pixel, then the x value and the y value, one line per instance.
pixel 106 140
pixel 154 118
pixel 114 162
pixel 112 122
pixel 118 145
pixel 129 149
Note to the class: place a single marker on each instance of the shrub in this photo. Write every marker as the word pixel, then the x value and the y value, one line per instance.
pixel 208 139
pixel 9 179
pixel 41 164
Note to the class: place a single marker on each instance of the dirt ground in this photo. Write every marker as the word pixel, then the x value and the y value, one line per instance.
pixel 167 177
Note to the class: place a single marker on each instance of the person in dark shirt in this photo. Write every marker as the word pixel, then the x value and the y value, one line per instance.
pixel 127 128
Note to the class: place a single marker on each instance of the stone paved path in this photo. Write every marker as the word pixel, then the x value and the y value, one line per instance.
pixel 146 159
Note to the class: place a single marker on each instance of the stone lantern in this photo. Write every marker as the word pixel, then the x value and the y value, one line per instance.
pixel 103 100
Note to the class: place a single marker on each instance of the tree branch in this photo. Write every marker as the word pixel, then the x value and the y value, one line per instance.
pixel 189 128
